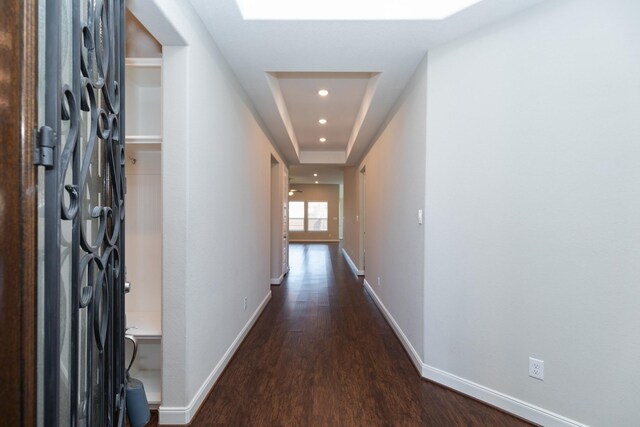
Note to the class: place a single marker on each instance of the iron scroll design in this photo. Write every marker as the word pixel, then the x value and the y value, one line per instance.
pixel 87 102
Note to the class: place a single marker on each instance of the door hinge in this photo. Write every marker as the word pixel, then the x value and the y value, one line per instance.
pixel 44 140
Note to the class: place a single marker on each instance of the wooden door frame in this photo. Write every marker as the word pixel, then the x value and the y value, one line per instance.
pixel 18 212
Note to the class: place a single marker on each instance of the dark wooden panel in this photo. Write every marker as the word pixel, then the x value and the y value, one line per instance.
pixel 322 354
pixel 18 35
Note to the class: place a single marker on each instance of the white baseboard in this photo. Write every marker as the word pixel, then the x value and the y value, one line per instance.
pixel 278 280
pixel 352 264
pixel 183 415
pixel 492 397
pixel 174 415
pixel 413 354
pixel 500 400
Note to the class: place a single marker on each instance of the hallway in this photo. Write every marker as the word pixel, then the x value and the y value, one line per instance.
pixel 322 354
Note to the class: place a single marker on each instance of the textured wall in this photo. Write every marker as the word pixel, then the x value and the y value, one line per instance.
pixel 533 208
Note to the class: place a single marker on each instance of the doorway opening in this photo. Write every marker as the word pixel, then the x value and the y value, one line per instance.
pixel 143 243
pixel 279 245
pixel 362 208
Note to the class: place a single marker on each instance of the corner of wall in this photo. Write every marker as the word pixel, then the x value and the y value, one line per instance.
pixel 183 415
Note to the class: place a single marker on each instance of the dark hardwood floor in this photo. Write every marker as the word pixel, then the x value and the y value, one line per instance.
pixel 322 354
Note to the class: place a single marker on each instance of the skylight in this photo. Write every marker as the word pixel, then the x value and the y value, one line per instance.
pixel 358 10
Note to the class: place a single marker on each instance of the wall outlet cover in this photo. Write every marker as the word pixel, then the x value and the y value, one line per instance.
pixel 536 368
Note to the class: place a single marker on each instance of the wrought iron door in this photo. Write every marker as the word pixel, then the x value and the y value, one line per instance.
pixel 81 147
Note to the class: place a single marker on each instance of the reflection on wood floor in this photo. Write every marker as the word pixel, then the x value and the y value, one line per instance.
pixel 322 354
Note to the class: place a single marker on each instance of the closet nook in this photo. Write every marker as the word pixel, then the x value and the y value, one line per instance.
pixel 143 242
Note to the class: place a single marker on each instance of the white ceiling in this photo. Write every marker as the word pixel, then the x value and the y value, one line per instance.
pixel 259 50
pixel 327 174
pixel 340 108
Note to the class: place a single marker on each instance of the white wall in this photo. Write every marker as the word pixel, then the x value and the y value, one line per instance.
pixel 533 208
pixel 329 193
pixel 144 230
pixel 216 202
pixel 394 192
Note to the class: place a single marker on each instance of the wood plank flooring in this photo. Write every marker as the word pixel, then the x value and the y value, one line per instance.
pixel 322 354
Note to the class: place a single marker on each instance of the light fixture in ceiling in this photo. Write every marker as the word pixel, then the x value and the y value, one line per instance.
pixel 323 139
pixel 315 174
pixel 316 182
pixel 358 10
pixel 323 92
pixel 322 121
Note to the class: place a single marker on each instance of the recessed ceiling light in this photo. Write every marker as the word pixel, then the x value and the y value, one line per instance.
pixel 322 121
pixel 316 182
pixel 315 174
pixel 323 92
pixel 323 139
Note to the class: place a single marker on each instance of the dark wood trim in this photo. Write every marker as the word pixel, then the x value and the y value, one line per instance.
pixel 29 250
pixel 18 213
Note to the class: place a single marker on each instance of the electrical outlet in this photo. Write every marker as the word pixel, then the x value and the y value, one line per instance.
pixel 536 368
pixel 245 303
pixel 379 282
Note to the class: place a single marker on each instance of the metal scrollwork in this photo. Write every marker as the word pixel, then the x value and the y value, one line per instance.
pixel 88 177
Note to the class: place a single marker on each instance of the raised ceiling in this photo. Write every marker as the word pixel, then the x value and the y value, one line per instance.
pixel 340 107
pixel 271 58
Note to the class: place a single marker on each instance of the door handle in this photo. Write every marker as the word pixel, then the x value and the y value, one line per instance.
pixel 127 287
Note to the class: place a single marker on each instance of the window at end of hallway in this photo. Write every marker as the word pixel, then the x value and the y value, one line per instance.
pixel 296 216
pixel 318 216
